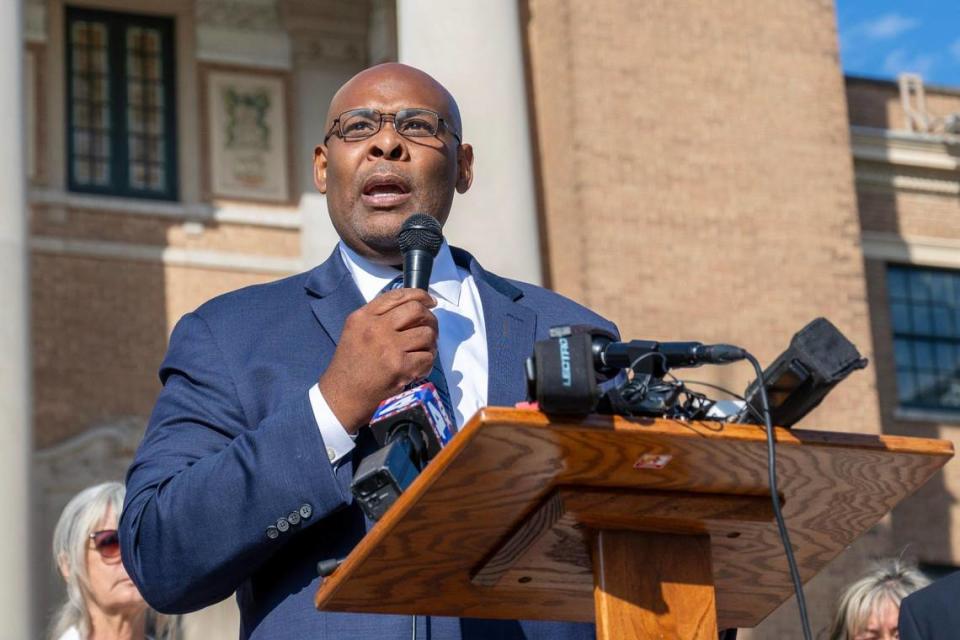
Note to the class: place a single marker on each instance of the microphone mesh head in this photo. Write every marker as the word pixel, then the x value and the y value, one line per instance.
pixel 420 231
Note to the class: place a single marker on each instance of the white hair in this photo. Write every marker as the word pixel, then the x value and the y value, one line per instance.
pixel 81 517
pixel 888 584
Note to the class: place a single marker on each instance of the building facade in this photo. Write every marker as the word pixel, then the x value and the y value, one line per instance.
pixel 691 170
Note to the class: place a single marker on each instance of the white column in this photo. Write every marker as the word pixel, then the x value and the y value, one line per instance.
pixel 16 586
pixel 475 50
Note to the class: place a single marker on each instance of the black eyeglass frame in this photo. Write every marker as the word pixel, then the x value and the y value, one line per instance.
pixel 335 129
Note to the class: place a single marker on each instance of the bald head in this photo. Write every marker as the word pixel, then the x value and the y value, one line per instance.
pixel 374 182
pixel 392 78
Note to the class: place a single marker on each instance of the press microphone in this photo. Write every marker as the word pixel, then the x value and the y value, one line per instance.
pixel 420 238
pixel 568 372
pixel 410 429
pixel 609 356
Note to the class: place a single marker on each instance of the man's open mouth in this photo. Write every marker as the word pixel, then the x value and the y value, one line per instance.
pixel 384 191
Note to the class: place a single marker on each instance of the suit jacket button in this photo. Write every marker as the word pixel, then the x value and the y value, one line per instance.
pixel 293 518
pixel 282 525
pixel 273 533
pixel 306 511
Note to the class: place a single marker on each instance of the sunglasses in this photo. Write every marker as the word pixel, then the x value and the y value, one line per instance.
pixel 107 542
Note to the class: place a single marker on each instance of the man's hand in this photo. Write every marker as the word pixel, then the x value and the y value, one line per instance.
pixel 386 344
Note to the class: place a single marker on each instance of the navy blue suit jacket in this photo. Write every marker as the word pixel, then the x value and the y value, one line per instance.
pixel 933 613
pixel 232 446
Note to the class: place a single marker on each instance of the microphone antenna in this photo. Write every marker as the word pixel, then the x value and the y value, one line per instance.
pixel 420 238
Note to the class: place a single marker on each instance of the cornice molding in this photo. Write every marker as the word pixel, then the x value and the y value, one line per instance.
pixel 169 256
pixel 252 215
pixel 906 149
pixel 905 161
pixel 919 250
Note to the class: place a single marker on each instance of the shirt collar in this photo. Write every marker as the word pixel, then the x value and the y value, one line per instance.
pixel 371 277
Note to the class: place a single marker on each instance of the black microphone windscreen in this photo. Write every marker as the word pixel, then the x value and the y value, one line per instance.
pixel 420 231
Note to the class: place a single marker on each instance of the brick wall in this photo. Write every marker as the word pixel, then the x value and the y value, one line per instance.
pixel 101 323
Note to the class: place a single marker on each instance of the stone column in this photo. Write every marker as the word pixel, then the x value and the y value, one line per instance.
pixel 475 50
pixel 16 587
pixel 329 45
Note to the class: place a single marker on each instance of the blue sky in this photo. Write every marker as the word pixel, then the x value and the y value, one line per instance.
pixel 881 38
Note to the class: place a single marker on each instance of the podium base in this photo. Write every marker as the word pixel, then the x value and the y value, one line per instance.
pixel 653 585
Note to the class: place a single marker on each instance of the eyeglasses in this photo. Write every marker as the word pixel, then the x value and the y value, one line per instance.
pixel 107 542
pixel 359 124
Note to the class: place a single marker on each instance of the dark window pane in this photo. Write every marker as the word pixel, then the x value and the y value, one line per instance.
pixel 944 356
pixel 102 176
pixel 905 387
pixel 919 286
pixel 923 352
pixel 81 115
pixel 939 286
pixel 920 319
pixel 81 170
pixel 81 142
pixel 896 283
pixel 159 178
pixel 902 354
pixel 901 318
pixel 942 321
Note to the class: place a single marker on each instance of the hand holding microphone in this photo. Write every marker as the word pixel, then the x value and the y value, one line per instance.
pixel 390 341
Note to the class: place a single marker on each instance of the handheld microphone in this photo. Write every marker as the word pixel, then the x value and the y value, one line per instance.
pixel 420 238
pixel 413 426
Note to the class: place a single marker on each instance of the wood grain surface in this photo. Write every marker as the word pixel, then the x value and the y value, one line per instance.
pixel 421 558
pixel 551 547
pixel 653 585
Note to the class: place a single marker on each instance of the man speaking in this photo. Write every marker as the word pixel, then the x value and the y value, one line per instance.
pixel 242 481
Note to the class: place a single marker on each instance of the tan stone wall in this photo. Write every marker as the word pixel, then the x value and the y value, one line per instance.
pixel 697 184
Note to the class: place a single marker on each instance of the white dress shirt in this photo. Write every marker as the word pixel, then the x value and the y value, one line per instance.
pixel 462 345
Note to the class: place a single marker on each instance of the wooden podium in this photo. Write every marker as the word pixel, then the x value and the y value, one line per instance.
pixel 653 528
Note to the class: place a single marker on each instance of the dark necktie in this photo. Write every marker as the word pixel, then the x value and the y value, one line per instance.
pixel 436 373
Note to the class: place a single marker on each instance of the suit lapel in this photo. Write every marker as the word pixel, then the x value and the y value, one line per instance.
pixel 334 295
pixel 511 330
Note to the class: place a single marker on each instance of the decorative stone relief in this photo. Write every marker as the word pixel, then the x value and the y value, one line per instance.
pixel 248 15
pixel 35 20
pixel 327 31
pixel 324 49
pixel 242 32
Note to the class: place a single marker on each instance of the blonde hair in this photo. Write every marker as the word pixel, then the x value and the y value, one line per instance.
pixel 79 519
pixel 890 582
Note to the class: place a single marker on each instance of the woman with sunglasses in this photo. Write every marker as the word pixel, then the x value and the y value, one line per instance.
pixel 102 602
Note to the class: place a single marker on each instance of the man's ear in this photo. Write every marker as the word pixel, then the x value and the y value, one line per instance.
pixel 320 167
pixel 464 167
